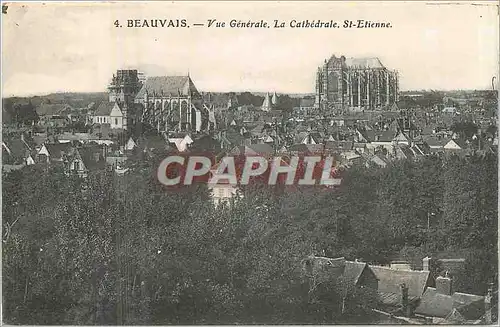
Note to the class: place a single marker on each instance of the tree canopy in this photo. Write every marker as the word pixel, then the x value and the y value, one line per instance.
pixel 123 250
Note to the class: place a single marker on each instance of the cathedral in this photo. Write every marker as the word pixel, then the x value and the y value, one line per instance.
pixel 172 103
pixel 344 84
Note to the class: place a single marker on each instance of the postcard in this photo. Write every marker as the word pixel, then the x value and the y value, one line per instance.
pixel 241 163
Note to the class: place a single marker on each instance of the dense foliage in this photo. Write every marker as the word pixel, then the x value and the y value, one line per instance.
pixel 122 250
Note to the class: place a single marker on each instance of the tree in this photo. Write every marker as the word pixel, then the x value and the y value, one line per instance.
pixel 465 129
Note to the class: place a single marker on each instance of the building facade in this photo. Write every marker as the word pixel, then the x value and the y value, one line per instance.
pixel 355 83
pixel 110 113
pixel 172 103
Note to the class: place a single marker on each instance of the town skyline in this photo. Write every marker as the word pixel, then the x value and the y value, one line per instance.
pixel 257 91
pixel 422 47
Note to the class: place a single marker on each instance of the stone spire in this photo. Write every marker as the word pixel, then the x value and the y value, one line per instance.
pixel 274 99
pixel 266 105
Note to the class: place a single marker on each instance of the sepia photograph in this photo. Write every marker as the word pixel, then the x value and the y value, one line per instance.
pixel 250 163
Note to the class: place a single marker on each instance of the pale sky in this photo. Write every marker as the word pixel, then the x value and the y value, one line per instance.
pixel 74 47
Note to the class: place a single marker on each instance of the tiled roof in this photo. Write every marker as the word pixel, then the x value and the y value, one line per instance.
pixel 353 270
pixel 205 143
pixel 104 108
pixel 461 143
pixel 74 136
pixel 393 299
pixel 435 141
pixel 156 142
pixel 435 304
pixel 57 150
pixel 391 279
pixel 39 139
pixel 88 156
pixel 405 151
pixel 253 149
pixel 51 109
pixel 233 137
pixel 333 267
pixel 364 62
pixel 15 151
pixel 378 136
pixel 168 86
pixel 261 148
pixel 299 147
pixel 341 145
pixel 315 148
pixel 306 102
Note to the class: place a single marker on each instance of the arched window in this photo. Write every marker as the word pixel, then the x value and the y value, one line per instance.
pixel 184 112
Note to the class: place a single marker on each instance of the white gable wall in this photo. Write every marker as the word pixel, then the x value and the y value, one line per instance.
pixel 452 145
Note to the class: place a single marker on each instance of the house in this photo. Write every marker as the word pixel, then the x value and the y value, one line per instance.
pixel 436 143
pixel 17 150
pixel 86 159
pixel 450 110
pixel 352 275
pixel 455 145
pixel 205 143
pixel 54 152
pixel 181 141
pixel 253 149
pixel 403 152
pixel 376 160
pixel 339 146
pixel 70 137
pixel 306 106
pixel 130 145
pixel 374 139
pixel 420 148
pixel 312 138
pixel 298 149
pixel 442 305
pixel 152 144
pixel 222 191
pixel 109 113
pixel 350 158
pixel 115 158
pixel 360 275
pixel 229 139
pixel 75 165
pixel 401 138
pixel 47 110
pixel 104 134
pixel 323 268
pixel 53 114
pixel 390 288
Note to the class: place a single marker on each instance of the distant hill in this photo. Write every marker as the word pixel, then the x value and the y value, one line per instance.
pixel 74 99
pixel 28 104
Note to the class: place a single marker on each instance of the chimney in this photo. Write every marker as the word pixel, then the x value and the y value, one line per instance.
pixel 444 285
pixel 487 306
pixel 426 263
pixel 405 307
